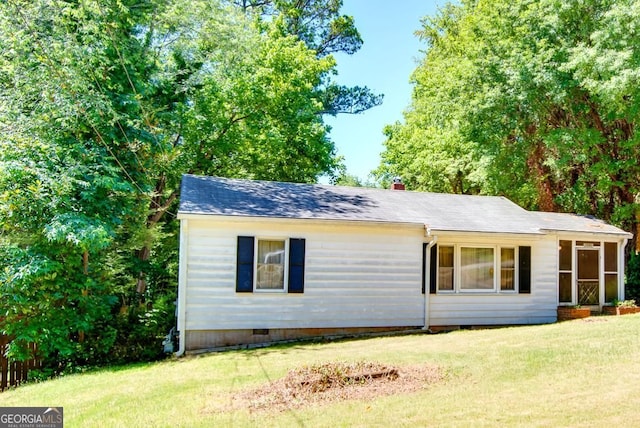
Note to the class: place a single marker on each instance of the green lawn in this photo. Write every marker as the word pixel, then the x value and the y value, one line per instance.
pixel 578 373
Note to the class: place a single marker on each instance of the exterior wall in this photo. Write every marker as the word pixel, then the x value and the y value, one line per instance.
pixel 356 276
pixel 473 308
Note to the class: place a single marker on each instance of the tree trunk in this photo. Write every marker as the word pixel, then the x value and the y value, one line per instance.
pixel 542 177
pixel 158 207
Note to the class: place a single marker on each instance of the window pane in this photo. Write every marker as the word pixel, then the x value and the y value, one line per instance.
pixel 565 255
pixel 610 257
pixel 610 287
pixel 564 288
pixel 445 268
pixel 270 265
pixel 476 268
pixel 507 268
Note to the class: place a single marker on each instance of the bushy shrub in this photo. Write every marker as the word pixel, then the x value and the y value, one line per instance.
pixel 141 330
pixel 632 286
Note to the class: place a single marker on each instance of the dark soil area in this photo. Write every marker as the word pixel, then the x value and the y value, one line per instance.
pixel 336 381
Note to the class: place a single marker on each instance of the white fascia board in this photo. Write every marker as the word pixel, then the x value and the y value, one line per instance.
pixel 585 235
pixel 310 221
pixel 487 235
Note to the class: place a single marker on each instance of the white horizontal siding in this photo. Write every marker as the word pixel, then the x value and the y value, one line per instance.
pixel 501 308
pixel 355 276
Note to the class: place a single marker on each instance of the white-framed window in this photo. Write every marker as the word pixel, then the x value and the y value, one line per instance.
pixel 469 268
pixel 271 264
pixel 565 271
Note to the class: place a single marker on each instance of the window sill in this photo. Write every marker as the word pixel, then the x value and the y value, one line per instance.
pixel 269 290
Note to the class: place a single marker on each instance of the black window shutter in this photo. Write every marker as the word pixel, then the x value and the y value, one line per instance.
pixel 433 269
pixel 424 261
pixel 244 266
pixel 296 265
pixel 524 271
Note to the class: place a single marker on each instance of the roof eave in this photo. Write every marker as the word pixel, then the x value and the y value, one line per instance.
pixel 443 231
pixel 235 217
pixel 621 234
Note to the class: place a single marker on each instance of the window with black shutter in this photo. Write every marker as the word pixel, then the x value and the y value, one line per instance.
pixel 460 268
pixel 268 273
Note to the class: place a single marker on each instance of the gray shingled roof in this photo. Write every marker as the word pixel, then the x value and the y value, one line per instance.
pixel 443 212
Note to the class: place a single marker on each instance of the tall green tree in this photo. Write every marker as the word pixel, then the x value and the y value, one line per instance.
pixel 69 187
pixel 321 26
pixel 537 97
pixel 103 106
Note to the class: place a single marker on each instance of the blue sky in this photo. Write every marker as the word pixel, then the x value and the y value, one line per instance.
pixel 384 64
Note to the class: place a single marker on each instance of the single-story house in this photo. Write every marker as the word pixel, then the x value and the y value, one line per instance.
pixel 266 261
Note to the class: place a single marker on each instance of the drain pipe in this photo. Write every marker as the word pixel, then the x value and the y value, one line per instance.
pixel 182 285
pixel 427 274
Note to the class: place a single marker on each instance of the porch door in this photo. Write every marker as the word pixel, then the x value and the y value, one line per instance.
pixel 588 266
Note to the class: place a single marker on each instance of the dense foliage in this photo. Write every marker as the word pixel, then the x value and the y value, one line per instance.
pixel 536 100
pixel 632 284
pixel 103 106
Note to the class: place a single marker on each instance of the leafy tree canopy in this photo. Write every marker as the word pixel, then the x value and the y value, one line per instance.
pixel 319 24
pixel 536 100
pixel 103 106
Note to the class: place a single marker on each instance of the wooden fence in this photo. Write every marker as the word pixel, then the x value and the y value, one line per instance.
pixel 13 373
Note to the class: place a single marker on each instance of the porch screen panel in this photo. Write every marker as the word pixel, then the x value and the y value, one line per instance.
pixel 564 255
pixel 587 265
pixel 476 268
pixel 610 257
pixel 610 287
pixel 610 271
pixel 565 274
pixel 588 281
pixel 564 289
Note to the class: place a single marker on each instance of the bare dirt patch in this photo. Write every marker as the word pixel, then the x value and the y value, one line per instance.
pixel 336 381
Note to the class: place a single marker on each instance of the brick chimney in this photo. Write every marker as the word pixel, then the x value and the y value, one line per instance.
pixel 397 184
